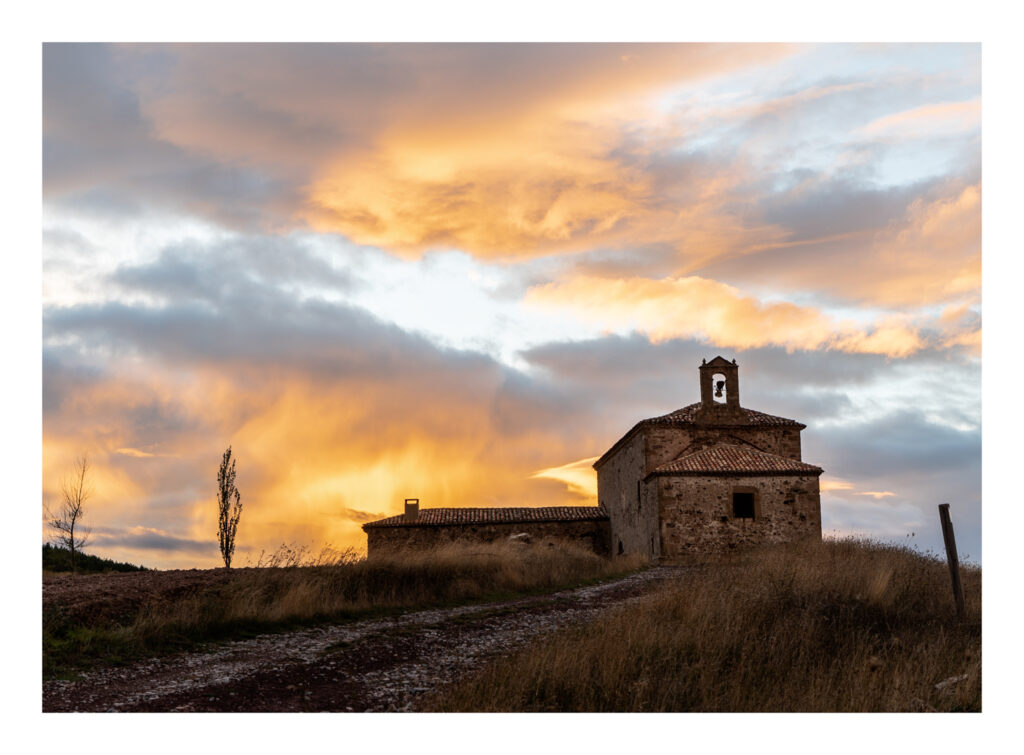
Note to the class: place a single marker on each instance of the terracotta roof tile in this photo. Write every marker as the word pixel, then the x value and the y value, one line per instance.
pixel 450 517
pixel 725 458
pixel 685 416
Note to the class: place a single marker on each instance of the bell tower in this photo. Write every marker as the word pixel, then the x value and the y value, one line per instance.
pixel 719 390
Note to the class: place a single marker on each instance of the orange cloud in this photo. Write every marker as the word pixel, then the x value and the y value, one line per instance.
pixel 933 254
pixel 694 307
pixel 531 187
pixel 831 484
pixel 930 255
pixel 529 164
pixel 135 452
pixel 506 194
pixel 939 119
pixel 578 476
pixel 316 457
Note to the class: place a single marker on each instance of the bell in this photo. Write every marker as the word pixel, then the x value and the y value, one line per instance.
pixel 718 388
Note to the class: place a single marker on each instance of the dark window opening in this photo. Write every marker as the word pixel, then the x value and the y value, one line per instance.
pixel 743 505
pixel 620 547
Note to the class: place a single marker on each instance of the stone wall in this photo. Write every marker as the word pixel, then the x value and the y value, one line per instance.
pixel 665 444
pixel 632 513
pixel 649 518
pixel 696 512
pixel 594 535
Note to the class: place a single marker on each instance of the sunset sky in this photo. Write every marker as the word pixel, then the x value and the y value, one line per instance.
pixel 461 272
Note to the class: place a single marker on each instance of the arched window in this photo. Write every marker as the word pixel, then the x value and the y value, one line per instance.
pixel 718 389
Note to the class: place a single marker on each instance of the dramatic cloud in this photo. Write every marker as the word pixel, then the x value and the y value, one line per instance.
pixel 578 476
pixel 712 311
pixel 330 412
pixel 461 272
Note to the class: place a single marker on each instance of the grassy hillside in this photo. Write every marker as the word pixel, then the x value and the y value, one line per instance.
pixel 170 615
pixel 59 560
pixel 834 626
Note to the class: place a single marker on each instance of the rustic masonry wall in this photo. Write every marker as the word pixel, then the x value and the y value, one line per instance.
pixel 594 535
pixel 665 444
pixel 632 512
pixel 781 441
pixel 696 512
pixel 649 512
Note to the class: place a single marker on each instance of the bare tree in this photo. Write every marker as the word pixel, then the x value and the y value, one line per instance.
pixel 66 521
pixel 227 494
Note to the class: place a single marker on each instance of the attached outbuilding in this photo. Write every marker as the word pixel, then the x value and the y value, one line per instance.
pixel 585 526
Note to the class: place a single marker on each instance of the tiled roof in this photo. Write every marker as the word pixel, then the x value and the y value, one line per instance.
pixel 725 458
pixel 685 416
pixel 449 517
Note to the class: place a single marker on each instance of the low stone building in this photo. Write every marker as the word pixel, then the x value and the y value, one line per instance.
pixel 702 479
pixel 708 477
pixel 586 526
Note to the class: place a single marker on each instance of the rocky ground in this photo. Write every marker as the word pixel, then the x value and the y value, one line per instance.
pixel 371 665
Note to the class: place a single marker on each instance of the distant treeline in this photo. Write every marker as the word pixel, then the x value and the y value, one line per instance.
pixel 57 559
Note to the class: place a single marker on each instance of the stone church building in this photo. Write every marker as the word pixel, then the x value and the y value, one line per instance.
pixel 707 477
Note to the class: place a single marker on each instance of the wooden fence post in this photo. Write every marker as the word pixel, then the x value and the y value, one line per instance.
pixel 951 557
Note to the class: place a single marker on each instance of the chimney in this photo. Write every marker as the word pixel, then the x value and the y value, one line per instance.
pixel 412 509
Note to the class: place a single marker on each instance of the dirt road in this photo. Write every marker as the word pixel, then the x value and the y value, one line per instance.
pixel 371 665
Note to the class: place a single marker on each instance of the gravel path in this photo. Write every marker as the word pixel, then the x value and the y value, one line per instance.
pixel 371 665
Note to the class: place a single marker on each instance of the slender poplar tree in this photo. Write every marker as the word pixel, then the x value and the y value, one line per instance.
pixel 229 503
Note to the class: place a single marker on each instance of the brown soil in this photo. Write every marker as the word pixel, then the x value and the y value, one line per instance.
pixel 370 665
pixel 92 598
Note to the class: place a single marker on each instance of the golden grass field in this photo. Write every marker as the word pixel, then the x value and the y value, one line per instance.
pixel 827 626
pixel 830 626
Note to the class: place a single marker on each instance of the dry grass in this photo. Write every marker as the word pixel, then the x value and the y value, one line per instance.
pixel 295 587
pixel 833 626
pixel 292 587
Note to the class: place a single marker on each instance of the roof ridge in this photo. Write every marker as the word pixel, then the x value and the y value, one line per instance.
pixel 455 515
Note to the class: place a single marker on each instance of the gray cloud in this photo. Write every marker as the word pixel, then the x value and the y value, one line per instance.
pixel 904 450
pixel 235 268
pixel 579 396
pixel 902 441
pixel 233 133
pixel 149 539
pixel 359 516
pixel 662 377
pixel 100 154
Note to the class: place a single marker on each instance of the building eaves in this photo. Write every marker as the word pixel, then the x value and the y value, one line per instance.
pixel 729 459
pixel 445 517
